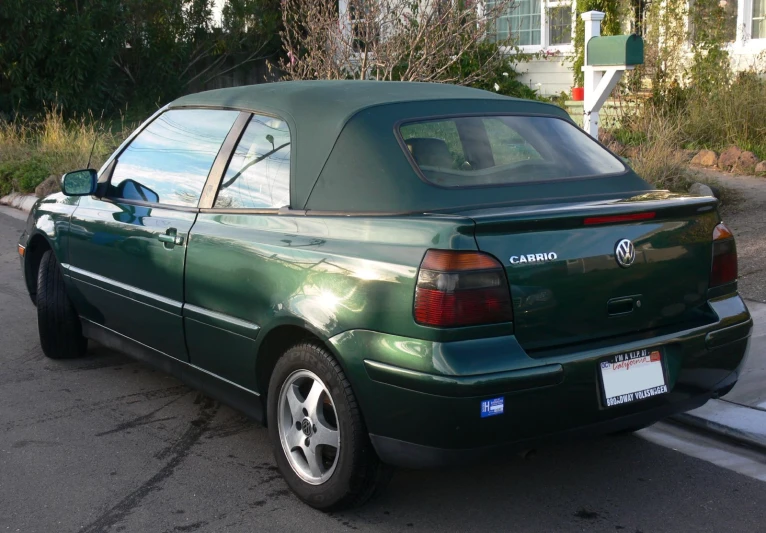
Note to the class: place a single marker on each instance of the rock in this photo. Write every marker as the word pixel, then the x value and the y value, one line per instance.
pixel 746 163
pixel 49 186
pixel 760 168
pixel 687 155
pixel 728 158
pixel 705 158
pixel 701 189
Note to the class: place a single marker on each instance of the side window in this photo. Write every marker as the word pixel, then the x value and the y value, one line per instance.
pixel 258 176
pixel 168 162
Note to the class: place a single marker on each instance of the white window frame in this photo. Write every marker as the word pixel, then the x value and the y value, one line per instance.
pixel 545 33
pixel 745 27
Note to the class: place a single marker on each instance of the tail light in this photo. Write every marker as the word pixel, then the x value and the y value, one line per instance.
pixel 724 269
pixel 461 289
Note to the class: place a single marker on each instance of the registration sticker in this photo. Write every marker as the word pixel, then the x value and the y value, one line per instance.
pixel 492 407
pixel 633 376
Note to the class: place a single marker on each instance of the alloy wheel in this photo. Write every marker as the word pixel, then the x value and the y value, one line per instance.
pixel 308 427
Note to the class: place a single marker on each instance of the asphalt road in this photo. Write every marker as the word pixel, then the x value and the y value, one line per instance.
pixel 107 444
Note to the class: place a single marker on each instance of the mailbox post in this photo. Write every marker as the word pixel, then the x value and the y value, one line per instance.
pixel 606 58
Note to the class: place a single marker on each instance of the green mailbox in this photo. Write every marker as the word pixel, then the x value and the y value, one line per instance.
pixel 616 50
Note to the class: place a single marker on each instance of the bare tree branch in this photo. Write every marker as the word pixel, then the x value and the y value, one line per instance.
pixel 412 40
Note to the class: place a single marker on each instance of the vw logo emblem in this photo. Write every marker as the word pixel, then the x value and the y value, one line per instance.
pixel 306 427
pixel 625 253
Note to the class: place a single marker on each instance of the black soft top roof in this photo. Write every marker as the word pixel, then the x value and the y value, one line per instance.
pixel 345 155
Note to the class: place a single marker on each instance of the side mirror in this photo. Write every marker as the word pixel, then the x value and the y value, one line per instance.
pixel 79 182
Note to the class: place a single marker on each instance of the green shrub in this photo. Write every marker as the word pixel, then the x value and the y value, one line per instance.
pixel 6 177
pixel 629 136
pixel 22 176
pixel 735 114
pixel 30 174
pixel 503 77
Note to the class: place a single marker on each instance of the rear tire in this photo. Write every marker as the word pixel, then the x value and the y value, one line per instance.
pixel 57 321
pixel 345 476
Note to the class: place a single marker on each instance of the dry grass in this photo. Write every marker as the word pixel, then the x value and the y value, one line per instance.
pixel 733 116
pixel 31 150
pixel 659 159
pixel 733 113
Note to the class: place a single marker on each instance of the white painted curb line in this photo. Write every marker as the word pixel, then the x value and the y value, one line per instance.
pixel 731 420
pixel 25 202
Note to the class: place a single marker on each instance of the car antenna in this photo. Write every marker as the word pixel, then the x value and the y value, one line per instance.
pixel 95 138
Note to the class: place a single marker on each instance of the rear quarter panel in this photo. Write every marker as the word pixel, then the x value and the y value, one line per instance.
pixel 328 273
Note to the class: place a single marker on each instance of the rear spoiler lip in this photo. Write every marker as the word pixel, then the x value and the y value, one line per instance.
pixel 573 215
pixel 627 206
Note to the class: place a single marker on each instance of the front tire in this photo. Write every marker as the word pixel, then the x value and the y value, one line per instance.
pixel 57 321
pixel 319 440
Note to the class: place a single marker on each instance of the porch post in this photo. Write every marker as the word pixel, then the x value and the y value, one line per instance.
pixel 592 77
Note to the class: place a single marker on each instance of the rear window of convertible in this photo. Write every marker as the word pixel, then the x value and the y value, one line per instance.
pixel 501 150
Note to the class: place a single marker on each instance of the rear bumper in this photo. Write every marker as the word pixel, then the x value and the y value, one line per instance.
pixel 422 400
pixel 410 455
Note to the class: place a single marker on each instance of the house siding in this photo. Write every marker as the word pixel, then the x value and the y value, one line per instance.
pixel 549 76
pixel 553 75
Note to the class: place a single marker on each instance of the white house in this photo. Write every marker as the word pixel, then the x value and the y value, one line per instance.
pixel 546 27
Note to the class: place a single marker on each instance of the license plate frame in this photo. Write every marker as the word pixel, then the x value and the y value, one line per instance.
pixel 648 379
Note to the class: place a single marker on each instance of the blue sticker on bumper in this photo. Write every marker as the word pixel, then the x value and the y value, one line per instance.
pixel 492 407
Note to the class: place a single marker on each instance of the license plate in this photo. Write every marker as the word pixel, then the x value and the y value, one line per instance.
pixel 632 376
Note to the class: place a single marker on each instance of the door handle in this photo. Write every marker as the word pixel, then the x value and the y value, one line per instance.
pixel 171 237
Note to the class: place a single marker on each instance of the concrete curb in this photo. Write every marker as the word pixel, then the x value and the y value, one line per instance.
pixel 25 202
pixel 738 422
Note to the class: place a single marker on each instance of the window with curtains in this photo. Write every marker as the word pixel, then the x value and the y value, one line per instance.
pixel 522 23
pixel 531 23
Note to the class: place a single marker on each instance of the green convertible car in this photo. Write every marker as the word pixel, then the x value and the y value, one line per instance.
pixel 391 274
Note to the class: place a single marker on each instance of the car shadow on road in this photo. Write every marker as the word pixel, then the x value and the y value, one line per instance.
pixel 610 484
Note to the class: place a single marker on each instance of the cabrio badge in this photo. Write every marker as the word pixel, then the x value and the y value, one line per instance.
pixel 533 258
pixel 625 253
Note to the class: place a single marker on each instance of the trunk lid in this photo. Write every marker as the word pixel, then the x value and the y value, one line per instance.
pixel 569 286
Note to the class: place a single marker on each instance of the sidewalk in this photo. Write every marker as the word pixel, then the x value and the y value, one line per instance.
pixel 741 414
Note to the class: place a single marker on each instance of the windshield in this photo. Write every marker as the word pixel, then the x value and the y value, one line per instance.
pixel 501 150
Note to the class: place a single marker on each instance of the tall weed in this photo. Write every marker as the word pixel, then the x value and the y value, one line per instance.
pixel 658 160
pixel 33 149
pixel 735 114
